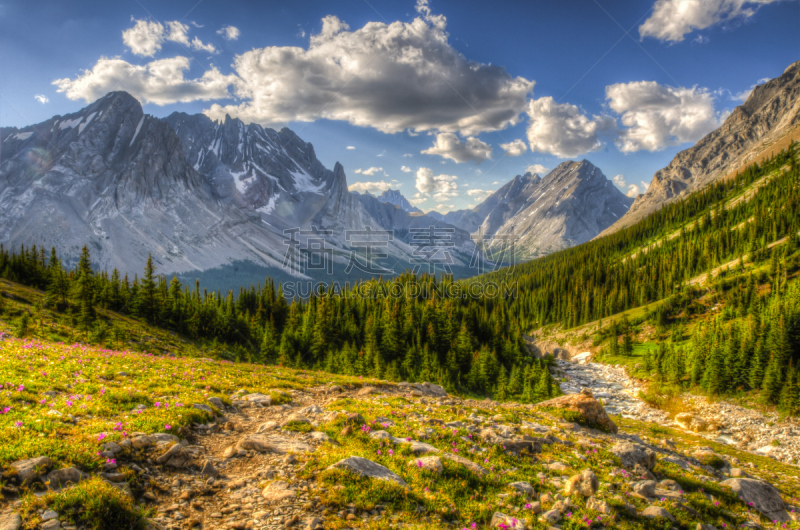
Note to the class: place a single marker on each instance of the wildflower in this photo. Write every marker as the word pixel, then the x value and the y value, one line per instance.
pixel 167 426
pixel 18 424
pixel 101 436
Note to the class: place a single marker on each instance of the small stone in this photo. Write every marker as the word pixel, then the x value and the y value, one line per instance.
pixel 368 468
pixel 645 488
pixel 48 515
pixel 657 512
pixel 278 491
pixel 551 516
pixel 52 524
pixel 585 484
pixel 523 487
pixel 598 505
pixel 208 469
pixel 632 455
pixel 176 456
pixel 506 521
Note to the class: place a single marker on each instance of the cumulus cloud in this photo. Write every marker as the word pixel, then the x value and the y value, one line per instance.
pixel 350 147
pixel 441 187
pixel 374 187
pixel 672 20
pixel 515 148
pixel 41 98
pixel 393 77
pixel 405 169
pixel 145 38
pixel 448 145
pixel 537 168
pixel 369 171
pixel 631 190
pixel 656 116
pixel 561 129
pixel 229 32
pixel 744 94
pixel 161 82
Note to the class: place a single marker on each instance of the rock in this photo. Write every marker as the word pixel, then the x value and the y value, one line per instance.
pixel 311 409
pixel 319 436
pixel 598 505
pixel 230 452
pixel 367 468
pixel 354 420
pixel 739 473
pixel 585 484
pixel 48 515
pixel 29 470
pixel 10 521
pixel 61 478
pixel 266 427
pixel 262 399
pixel 272 444
pixel 278 491
pixel 295 419
pixel 163 437
pixel 632 455
pixel 646 488
pixel 523 487
pixel 208 469
pixel 176 456
pixel 140 442
pixel 469 464
pixel 680 462
pixel 656 512
pixel 52 524
pixel 582 358
pixel 421 448
pixel 764 497
pixel 112 447
pixel 217 402
pixel 551 516
pixel 428 463
pixel 587 406
pixel 691 422
pixel 313 523
pixel 204 408
pixel 506 521
pixel 669 484
pixel 366 391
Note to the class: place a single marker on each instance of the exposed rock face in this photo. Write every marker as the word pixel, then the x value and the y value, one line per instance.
pixel 765 497
pixel 569 206
pixel 368 468
pixel 396 198
pixel 764 123
pixel 585 404
pixel 197 194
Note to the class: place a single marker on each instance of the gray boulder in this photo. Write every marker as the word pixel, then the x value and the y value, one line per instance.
pixel 29 470
pixel 657 512
pixel 63 477
pixel 10 521
pixel 765 497
pixel 631 455
pixel 368 468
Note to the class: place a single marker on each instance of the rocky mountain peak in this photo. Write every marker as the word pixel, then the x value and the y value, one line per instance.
pixel 396 198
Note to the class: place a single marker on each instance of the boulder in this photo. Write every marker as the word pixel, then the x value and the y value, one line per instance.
pixel 657 512
pixel 61 478
pixel 29 470
pixel 208 469
pixel 551 516
pixel 278 491
pixel 469 464
pixel 586 405
pixel 501 520
pixel 140 442
pixel 631 455
pixel 585 483
pixel 217 402
pixel 428 463
pixel 203 407
pixel 176 456
pixel 645 488
pixel 368 468
pixel 10 521
pixel 266 427
pixel 295 419
pixel 523 487
pixel 763 496
pixel 262 399
pixel 598 505
pixel 272 444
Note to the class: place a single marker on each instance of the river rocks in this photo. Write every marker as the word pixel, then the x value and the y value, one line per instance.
pixel 631 455
pixel 645 488
pixel 657 512
pixel 176 456
pixel 10 521
pixel 501 520
pixel 585 483
pixel 691 422
pixel 368 468
pixel 29 470
pixel 61 478
pixel 278 491
pixel 428 463
pixel 586 405
pixel 765 498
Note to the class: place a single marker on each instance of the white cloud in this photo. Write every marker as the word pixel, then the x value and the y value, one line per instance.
pixel 408 155
pixel 495 183
pixel 161 82
pixel 229 32
pixel 479 195
pixel 515 148
pixel 350 147
pixel 405 169
pixel 744 94
pixel 448 145
pixel 41 98
pixel 620 181
pixel 369 171
pixel 444 208
pixel 372 187
pixel 561 129
pixel 442 187
pixel 537 168
pixel 631 190
pixel 393 77
pixel 656 116
pixel 418 198
pixel 145 38
pixel 672 20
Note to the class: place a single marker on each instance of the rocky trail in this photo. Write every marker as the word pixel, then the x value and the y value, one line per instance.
pixel 721 421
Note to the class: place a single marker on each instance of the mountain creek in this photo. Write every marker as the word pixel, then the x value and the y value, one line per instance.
pixel 719 420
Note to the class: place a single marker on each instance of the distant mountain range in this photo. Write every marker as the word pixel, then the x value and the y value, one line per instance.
pixel 766 123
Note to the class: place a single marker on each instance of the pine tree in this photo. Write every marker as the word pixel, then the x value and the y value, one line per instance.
pixel 85 291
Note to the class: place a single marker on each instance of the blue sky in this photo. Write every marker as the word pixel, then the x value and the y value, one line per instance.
pixel 625 84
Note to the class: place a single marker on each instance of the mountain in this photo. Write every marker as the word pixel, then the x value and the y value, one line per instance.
pixel 569 206
pixel 765 124
pixel 197 194
pixel 397 198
